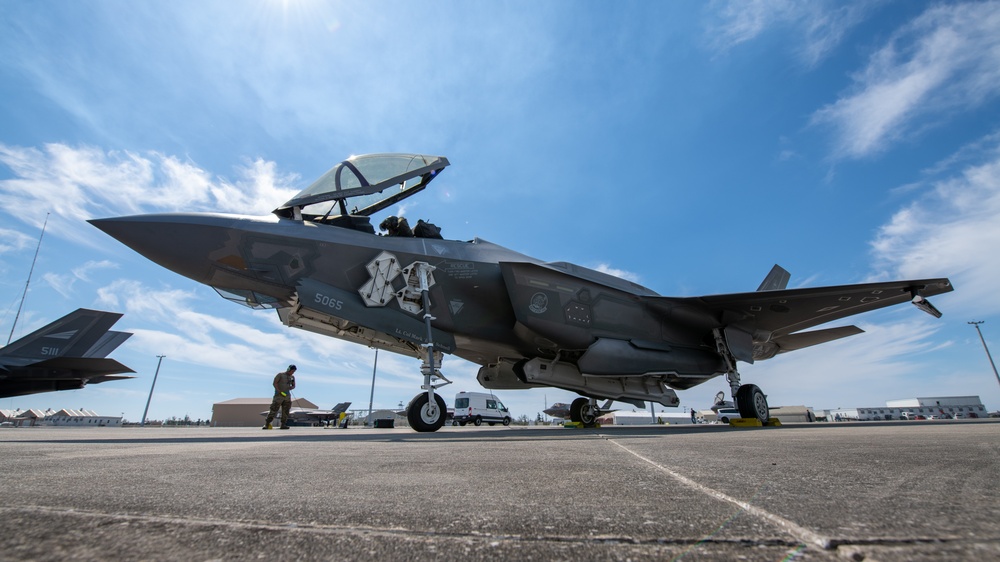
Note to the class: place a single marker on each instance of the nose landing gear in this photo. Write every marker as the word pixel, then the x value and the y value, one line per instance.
pixel 427 411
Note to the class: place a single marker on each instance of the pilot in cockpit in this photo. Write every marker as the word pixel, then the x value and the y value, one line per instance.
pixel 396 226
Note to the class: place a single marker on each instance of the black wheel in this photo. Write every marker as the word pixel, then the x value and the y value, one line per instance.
pixel 752 403
pixel 506 421
pixel 583 412
pixel 424 416
pixel 478 421
pixel 492 424
pixel 575 409
pixel 461 424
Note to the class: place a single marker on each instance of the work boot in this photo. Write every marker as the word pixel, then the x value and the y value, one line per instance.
pixel 267 426
pixel 283 427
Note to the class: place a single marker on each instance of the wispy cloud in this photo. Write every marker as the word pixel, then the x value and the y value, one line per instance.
pixel 13 240
pixel 946 60
pixel 952 230
pixel 819 25
pixel 624 274
pixel 63 282
pixel 882 361
pixel 80 183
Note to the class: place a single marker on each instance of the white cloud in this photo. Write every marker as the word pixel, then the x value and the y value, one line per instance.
pixel 953 230
pixel 79 183
pixel 624 274
pixel 880 362
pixel 12 240
pixel 948 59
pixel 820 25
pixel 63 283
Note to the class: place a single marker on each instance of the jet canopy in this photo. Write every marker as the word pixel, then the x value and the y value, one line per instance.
pixel 363 185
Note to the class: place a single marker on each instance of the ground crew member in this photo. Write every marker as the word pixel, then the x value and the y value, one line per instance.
pixel 283 384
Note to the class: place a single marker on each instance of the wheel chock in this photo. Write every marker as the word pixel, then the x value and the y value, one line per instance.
pixel 578 425
pixel 773 422
pixel 745 422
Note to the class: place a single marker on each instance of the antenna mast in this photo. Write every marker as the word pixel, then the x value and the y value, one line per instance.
pixel 30 271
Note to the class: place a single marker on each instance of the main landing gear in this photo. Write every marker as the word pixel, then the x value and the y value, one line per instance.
pixel 748 398
pixel 585 411
pixel 427 411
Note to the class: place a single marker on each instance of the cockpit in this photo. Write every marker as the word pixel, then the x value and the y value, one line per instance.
pixel 355 189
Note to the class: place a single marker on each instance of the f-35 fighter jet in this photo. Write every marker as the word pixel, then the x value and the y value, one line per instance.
pixel 65 355
pixel 318 260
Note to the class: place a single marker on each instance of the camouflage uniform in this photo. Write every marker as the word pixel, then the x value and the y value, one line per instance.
pixel 283 384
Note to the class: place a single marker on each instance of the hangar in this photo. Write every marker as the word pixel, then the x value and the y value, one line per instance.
pixel 245 412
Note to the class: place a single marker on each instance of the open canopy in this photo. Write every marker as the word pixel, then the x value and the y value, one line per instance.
pixel 363 185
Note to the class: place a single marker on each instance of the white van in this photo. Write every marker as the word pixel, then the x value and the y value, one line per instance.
pixel 479 407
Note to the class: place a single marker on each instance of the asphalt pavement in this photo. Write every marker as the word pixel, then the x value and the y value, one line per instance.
pixel 856 491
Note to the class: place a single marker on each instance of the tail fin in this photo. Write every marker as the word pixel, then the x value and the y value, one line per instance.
pixel 81 333
pixel 776 280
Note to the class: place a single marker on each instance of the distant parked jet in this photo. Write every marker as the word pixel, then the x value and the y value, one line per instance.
pixel 311 416
pixel 64 355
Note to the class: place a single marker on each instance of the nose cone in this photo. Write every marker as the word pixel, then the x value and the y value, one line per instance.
pixel 179 242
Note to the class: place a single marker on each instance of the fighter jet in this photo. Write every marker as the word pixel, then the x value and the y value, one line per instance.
pixel 64 355
pixel 318 260
pixel 312 416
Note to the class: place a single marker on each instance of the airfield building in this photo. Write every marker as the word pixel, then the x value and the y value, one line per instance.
pixel 246 412
pixel 960 407
pixel 82 418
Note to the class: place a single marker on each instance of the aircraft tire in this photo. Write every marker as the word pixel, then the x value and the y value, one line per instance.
pixel 419 415
pixel 478 421
pixel 581 412
pixel 752 403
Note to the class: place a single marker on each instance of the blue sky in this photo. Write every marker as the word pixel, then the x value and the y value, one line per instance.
pixel 688 146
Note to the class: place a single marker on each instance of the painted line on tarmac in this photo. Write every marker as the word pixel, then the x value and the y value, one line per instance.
pixel 796 530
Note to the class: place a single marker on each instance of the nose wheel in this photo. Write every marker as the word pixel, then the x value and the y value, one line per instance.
pixel 425 415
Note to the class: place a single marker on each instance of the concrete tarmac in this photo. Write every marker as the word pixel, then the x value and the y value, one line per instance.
pixel 856 491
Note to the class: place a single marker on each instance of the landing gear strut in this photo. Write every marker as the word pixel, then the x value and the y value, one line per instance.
pixel 427 411
pixel 748 398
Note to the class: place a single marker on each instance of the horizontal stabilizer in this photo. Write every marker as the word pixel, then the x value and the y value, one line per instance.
pixel 801 340
pixel 83 365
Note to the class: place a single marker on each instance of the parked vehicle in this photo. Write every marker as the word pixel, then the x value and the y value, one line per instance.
pixel 726 414
pixel 479 407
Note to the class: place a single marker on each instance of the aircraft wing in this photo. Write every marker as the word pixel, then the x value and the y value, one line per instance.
pixel 787 311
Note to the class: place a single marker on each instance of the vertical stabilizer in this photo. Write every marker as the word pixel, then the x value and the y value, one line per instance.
pixel 73 335
pixel 776 280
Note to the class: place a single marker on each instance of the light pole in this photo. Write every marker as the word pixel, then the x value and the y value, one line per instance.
pixel 148 400
pixel 988 356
